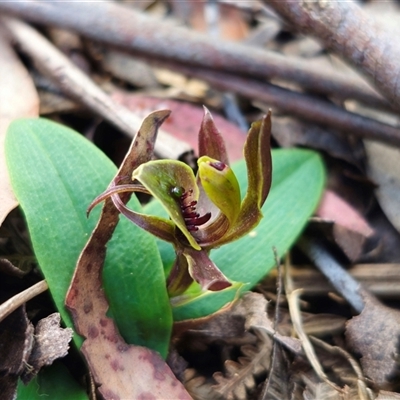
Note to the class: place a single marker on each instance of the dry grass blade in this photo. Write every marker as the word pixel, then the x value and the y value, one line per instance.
pixel 16 301
pixel 293 302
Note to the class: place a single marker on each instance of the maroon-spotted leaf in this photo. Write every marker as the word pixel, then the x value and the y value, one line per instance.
pixel 120 370
pixel 158 226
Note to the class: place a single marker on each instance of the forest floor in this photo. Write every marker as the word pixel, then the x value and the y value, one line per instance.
pixel 324 323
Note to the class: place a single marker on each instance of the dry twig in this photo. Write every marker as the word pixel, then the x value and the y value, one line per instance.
pixel 134 31
pixel 340 279
pixel 72 81
pixel 382 280
pixel 16 301
pixel 297 104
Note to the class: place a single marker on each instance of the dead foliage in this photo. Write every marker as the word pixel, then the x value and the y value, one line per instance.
pixel 331 330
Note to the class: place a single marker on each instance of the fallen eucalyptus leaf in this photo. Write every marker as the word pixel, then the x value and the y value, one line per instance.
pixel 375 335
pixel 51 342
pixel 18 98
pixel 16 341
pixel 384 169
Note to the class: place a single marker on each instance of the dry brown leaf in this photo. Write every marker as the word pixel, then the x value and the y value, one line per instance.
pixel 122 371
pixel 239 379
pixel 185 120
pixel 375 335
pixel 348 227
pixel 384 169
pixel 198 387
pixel 18 98
pixel 257 319
pixel 16 341
pixel 278 385
pixel 228 328
pixel 51 342
pixel 322 390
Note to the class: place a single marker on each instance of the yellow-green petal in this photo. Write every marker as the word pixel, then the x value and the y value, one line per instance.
pixel 220 185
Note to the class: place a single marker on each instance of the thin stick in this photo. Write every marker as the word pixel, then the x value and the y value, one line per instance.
pixel 126 28
pixel 16 301
pixel 340 279
pixel 383 280
pixel 298 104
pixel 74 83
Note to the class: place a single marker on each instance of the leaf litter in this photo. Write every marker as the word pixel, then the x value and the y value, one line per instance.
pixel 368 355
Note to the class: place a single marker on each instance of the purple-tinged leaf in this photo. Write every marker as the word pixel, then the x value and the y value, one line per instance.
pixel 118 369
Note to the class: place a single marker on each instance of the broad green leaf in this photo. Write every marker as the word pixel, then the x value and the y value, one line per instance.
pixel 297 184
pixel 54 382
pixel 55 174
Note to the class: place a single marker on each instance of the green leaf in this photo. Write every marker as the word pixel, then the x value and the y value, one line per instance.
pixel 297 183
pixel 55 174
pixel 54 382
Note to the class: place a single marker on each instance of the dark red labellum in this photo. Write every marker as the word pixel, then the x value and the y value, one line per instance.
pixel 219 165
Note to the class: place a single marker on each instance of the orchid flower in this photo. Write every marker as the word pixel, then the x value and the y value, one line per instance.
pixel 205 210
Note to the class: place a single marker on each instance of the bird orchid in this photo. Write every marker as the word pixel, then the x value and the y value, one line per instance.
pixel 205 210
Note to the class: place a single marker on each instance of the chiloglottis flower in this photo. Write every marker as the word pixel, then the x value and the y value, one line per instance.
pixel 205 210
